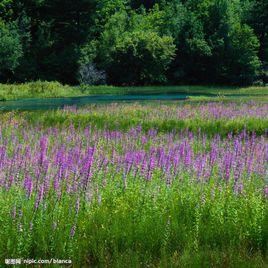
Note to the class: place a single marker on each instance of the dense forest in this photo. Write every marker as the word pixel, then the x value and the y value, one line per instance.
pixel 129 42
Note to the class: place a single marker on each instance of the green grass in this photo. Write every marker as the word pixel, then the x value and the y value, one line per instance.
pixel 210 127
pixel 40 89
pixel 230 98
pixel 140 223
pixel 137 224
pixel 163 117
pixel 151 225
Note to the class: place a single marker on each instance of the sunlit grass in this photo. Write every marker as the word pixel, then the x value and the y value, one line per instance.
pixel 54 89
pixel 136 185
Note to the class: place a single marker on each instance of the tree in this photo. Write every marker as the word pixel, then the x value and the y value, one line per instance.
pixel 192 50
pixel 141 58
pixel 258 20
pixel 234 45
pixel 10 47
pixel 131 54
pixel 134 42
pixel 148 4
pixel 243 64
pixel 57 28
pixel 103 12
pixel 232 56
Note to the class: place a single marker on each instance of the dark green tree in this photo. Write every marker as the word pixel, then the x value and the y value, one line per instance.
pixel 57 28
pixel 131 51
pixel 258 19
pixel 234 45
pixel 186 41
pixel 10 48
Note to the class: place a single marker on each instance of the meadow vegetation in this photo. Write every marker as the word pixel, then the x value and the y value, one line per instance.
pixel 211 118
pixel 43 89
pixel 136 185
pixel 129 42
pixel 148 184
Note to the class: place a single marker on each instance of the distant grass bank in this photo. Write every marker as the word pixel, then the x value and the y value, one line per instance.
pixel 41 89
pixel 210 118
pixel 134 199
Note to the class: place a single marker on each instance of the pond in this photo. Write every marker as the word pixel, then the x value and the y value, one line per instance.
pixel 55 103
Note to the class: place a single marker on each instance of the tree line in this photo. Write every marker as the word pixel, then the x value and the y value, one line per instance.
pixel 130 42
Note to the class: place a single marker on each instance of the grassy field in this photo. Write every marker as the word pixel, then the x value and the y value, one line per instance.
pixel 209 118
pixel 136 185
pixel 55 89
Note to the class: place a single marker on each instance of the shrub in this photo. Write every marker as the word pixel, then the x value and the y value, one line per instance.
pixel 130 51
pixel 88 74
pixel 10 47
pixel 36 89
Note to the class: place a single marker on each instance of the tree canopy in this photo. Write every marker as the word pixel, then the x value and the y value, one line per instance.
pixel 134 42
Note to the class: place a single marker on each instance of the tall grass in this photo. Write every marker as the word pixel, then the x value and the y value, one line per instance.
pixel 147 223
pixel 132 199
pixel 209 118
pixel 136 185
pixel 43 89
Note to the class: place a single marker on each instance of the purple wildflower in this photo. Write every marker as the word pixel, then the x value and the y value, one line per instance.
pixel 72 232
pixel 265 191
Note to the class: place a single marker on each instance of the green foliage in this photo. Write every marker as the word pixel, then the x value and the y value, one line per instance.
pixel 57 30
pixel 133 41
pixel 132 53
pixel 6 8
pixel 42 89
pixel 228 49
pixel 257 18
pixel 244 64
pixel 148 4
pixel 104 10
pixel 186 225
pixel 234 45
pixel 193 50
pixel 149 116
pixel 38 89
pixel 10 47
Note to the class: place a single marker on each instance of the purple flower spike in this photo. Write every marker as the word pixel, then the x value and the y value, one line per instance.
pixel 14 212
pixel 238 188
pixel 72 232
pixel 28 185
pixel 265 191
pixel 77 205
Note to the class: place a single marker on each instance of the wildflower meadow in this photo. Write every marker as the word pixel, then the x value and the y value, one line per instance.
pixel 136 197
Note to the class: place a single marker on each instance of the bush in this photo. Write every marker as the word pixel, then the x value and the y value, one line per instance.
pixel 38 89
pixel 131 52
pixel 244 62
pixel 88 74
pixel 10 47
pixel 258 83
pixel 141 58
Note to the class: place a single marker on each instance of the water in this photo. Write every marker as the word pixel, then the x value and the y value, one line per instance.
pixel 55 103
